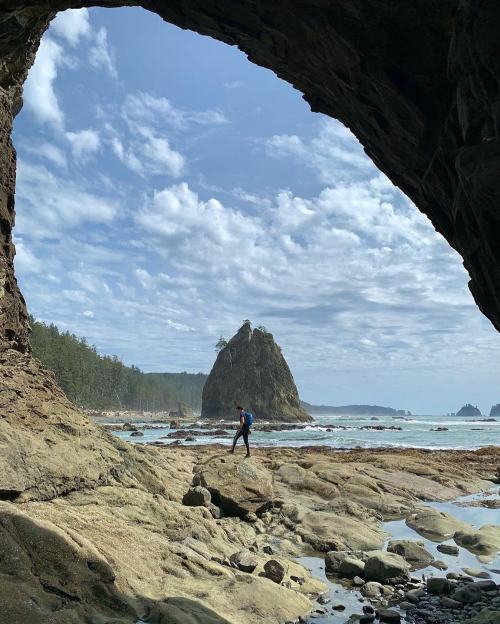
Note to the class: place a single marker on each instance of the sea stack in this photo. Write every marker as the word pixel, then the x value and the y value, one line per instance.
pixel 469 410
pixel 251 371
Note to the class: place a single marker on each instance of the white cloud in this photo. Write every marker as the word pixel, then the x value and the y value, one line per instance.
pixel 101 56
pixel 25 260
pixel 160 157
pixel 144 108
pixel 39 94
pixel 47 204
pixel 88 313
pixel 73 25
pixel 84 143
pixel 127 157
pixel 334 153
pixel 48 151
pixel 178 210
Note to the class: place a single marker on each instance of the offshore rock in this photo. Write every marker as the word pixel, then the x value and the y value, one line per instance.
pixel 251 371
pixel 469 410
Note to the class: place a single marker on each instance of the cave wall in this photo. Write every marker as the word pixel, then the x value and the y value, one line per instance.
pixel 417 82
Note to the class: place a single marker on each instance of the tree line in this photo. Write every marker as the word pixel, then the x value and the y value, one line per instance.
pixel 103 382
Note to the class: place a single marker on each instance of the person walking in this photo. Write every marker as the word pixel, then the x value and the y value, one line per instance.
pixel 246 420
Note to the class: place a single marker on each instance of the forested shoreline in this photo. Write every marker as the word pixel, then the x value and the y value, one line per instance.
pixel 102 382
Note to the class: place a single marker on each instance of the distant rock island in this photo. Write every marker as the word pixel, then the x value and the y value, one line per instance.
pixel 251 371
pixel 354 410
pixel 495 410
pixel 469 410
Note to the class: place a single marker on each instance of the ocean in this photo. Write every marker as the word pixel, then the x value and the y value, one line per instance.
pixel 348 432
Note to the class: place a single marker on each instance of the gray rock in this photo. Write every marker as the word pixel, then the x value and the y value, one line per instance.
pixel 274 570
pixel 197 496
pixel 333 559
pixel 372 589
pixel 448 549
pixel 439 565
pixel 450 603
pixel 415 554
pixel 244 560
pixel 438 586
pixel 350 567
pixel 487 585
pixel 389 616
pixel 384 567
pixel 407 606
pixel 469 594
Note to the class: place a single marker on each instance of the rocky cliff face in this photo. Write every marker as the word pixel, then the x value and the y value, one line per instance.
pixel 251 371
pixel 416 82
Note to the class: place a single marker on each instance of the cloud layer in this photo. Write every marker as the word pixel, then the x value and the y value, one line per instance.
pixel 157 217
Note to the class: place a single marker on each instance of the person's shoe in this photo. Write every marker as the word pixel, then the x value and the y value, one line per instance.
pixel 232 451
pixel 247 455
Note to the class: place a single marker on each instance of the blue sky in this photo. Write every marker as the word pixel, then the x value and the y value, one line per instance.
pixel 168 189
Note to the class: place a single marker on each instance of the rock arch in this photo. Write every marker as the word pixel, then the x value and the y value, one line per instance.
pixel 416 82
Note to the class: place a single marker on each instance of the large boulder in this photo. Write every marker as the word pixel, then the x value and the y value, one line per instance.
pixel 385 567
pixel 469 594
pixel 351 567
pixel 251 371
pixel 415 554
pixel 435 525
pixel 237 486
pixel 484 541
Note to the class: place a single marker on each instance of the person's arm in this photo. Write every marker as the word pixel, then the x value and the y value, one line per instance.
pixel 242 421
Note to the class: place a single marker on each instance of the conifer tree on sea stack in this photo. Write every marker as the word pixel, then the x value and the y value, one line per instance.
pixel 250 370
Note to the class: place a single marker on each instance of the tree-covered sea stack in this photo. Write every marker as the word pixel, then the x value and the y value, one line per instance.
pixel 251 371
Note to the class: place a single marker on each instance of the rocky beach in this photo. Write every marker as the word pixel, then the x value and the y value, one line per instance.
pixel 95 529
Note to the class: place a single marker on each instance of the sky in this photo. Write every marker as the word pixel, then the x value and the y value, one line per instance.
pixel 168 189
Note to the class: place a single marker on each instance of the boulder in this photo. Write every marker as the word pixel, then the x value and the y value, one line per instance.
pixel 237 486
pixel 469 594
pixel 197 496
pixel 435 525
pixel 415 554
pixel 439 586
pixel 244 560
pixel 351 567
pixel 372 590
pixel 333 560
pixel 476 572
pixel 484 541
pixel 439 565
pixel 389 616
pixel 251 371
pixel 448 549
pixel 385 567
pixel 274 570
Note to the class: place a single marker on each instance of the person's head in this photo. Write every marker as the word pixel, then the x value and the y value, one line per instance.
pixel 239 408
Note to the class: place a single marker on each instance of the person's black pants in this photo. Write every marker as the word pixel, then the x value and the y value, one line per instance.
pixel 242 432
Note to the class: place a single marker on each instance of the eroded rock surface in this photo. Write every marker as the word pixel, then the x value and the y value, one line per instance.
pixel 251 371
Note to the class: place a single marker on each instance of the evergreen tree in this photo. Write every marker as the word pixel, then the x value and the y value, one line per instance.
pixel 100 382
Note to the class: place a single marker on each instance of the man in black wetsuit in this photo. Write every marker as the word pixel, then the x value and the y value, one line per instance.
pixel 246 420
